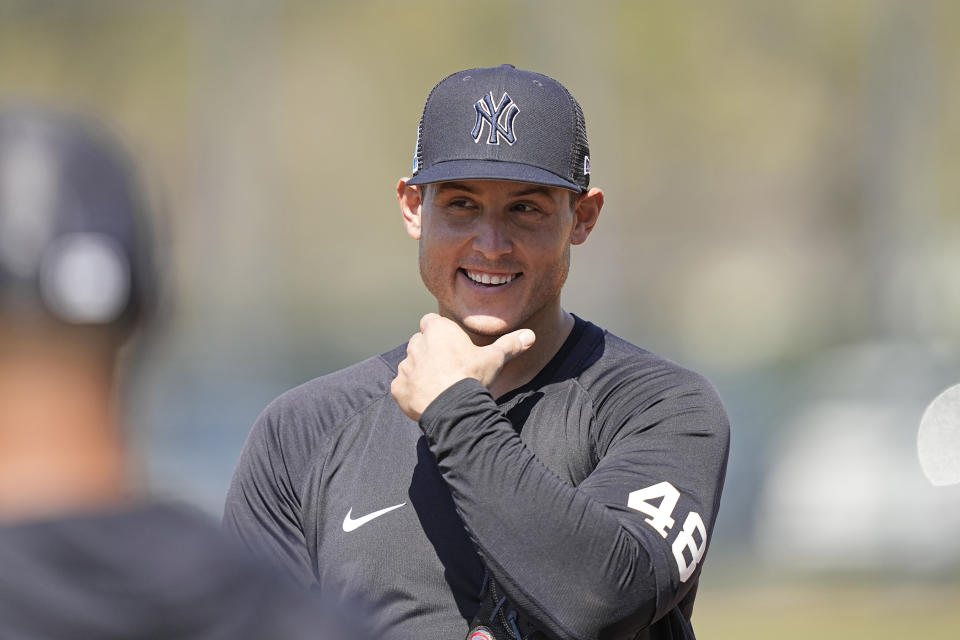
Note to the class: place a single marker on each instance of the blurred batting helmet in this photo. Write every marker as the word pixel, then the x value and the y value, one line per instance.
pixel 74 240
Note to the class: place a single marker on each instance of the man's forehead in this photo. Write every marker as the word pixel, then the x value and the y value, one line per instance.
pixel 506 187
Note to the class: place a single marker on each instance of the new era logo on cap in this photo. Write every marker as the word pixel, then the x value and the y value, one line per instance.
pixel 464 123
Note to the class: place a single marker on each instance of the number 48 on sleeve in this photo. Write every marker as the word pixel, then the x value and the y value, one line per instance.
pixel 661 519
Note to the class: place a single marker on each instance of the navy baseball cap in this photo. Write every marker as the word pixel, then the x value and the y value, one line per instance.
pixel 75 243
pixel 502 123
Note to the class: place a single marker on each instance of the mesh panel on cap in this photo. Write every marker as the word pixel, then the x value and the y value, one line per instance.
pixel 418 154
pixel 581 148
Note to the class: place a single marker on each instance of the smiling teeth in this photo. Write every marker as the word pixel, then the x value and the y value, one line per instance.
pixel 486 278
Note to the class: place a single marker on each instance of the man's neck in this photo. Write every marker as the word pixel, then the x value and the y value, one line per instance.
pixel 551 333
pixel 60 445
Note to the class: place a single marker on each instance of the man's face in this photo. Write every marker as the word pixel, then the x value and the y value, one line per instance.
pixel 495 254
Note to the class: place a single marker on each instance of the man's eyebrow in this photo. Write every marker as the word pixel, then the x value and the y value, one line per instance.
pixel 533 190
pixel 454 186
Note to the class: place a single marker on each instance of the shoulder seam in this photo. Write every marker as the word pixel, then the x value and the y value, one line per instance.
pixel 594 433
pixel 384 362
pixel 322 453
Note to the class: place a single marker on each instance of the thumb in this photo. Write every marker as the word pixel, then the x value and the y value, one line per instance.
pixel 514 343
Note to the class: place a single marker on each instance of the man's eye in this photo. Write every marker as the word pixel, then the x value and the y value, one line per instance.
pixel 522 207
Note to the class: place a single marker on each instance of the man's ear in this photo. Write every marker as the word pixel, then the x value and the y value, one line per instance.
pixel 586 213
pixel 410 199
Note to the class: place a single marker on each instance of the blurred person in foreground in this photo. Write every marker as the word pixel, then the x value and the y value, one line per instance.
pixel 513 471
pixel 82 555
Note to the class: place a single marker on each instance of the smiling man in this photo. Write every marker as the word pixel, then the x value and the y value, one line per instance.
pixel 513 471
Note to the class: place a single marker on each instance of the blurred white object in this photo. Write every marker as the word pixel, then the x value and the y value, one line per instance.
pixel 844 491
pixel 938 440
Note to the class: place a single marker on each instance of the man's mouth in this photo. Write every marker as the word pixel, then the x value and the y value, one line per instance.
pixel 490 279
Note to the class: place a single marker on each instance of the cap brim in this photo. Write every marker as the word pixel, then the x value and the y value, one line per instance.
pixel 490 170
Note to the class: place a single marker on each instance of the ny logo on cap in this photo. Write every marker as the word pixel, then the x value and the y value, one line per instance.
pixel 499 116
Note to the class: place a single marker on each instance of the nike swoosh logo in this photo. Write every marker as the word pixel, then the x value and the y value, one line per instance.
pixel 349 524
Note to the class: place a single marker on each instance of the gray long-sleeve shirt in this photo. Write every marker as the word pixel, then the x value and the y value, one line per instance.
pixel 589 493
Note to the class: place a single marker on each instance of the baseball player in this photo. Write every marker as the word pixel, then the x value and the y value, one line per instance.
pixel 82 555
pixel 513 471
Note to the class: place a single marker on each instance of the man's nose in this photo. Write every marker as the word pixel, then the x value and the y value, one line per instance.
pixel 492 238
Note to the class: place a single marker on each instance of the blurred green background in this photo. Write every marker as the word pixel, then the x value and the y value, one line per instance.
pixel 783 214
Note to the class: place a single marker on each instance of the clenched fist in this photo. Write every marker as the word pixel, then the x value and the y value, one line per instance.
pixel 442 354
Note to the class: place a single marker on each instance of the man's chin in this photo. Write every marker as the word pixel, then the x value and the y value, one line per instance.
pixel 486 327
